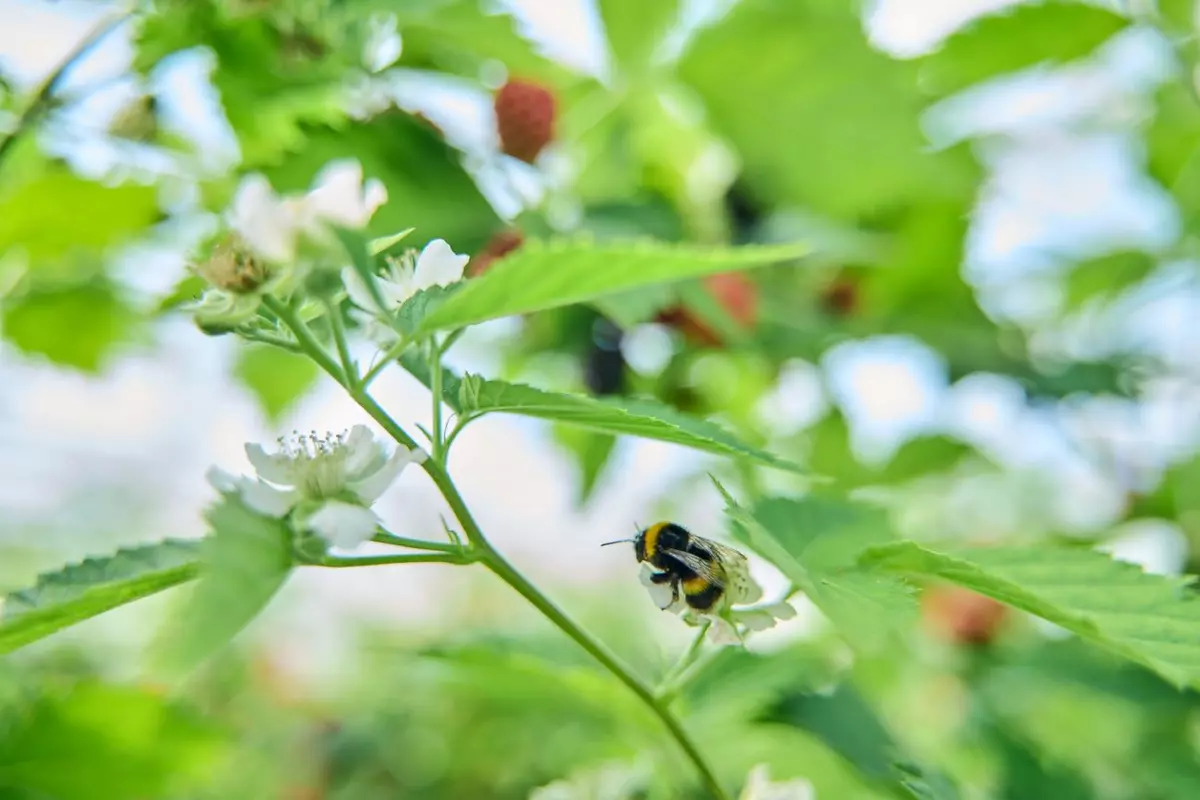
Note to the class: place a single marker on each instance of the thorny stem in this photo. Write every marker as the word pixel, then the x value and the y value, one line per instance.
pixel 41 101
pixel 492 559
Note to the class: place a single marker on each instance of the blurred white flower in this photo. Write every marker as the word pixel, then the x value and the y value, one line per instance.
pixel 271 225
pixel 612 781
pixel 336 477
pixel 383 45
pixel 759 786
pixel 725 618
pixel 437 265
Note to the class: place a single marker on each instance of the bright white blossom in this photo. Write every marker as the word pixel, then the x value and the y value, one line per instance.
pixel 437 265
pixel 726 617
pixel 759 786
pixel 612 781
pixel 272 225
pixel 383 45
pixel 335 478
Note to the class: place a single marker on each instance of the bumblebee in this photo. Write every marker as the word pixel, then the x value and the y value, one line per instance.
pixel 703 572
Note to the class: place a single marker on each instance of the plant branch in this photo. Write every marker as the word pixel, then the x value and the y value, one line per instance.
pixel 407 558
pixel 389 356
pixel 686 660
pixel 484 551
pixel 339 338
pixel 45 94
pixel 384 537
pixel 435 389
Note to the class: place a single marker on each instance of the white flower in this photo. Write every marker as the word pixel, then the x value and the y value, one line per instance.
pixel 437 265
pixel 272 224
pixel 725 619
pixel 759 786
pixel 336 477
pixel 383 45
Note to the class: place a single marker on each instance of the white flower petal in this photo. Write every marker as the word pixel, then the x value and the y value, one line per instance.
pixel 338 196
pixel 273 467
pixel 661 593
pixel 357 289
pixel 438 265
pixel 363 454
pixel 267 224
pixel 722 632
pixel 759 786
pixel 781 610
pixel 266 499
pixel 755 620
pixel 369 488
pixel 223 481
pixel 343 525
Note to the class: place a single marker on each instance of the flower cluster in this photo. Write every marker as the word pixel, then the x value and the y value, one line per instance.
pixel 723 621
pixel 273 225
pixel 329 482
pixel 266 232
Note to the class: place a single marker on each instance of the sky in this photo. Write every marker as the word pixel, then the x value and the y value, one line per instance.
pixel 131 446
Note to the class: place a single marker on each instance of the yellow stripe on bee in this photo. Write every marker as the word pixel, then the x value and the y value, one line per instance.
pixel 695 585
pixel 650 538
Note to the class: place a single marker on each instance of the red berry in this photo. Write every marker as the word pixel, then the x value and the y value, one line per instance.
pixel 736 293
pixel 525 114
pixel 498 246
pixel 962 616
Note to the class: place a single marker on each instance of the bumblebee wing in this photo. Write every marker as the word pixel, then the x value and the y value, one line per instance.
pixel 711 570
pixel 742 587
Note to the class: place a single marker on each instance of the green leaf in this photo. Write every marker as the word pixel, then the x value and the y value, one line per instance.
pixel 99 742
pixel 591 450
pixel 1173 148
pixel 1106 276
pixel 841 135
pixel 634 28
pixel 1149 619
pixel 547 274
pixel 95 585
pixel 271 81
pixel 428 189
pixel 276 377
pixel 245 562
pixel 460 36
pixel 1021 36
pixel 625 416
pixel 815 541
pixel 830 454
pixel 59 214
pixel 187 290
pixel 76 326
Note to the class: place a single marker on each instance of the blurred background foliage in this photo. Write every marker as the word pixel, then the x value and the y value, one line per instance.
pixel 746 122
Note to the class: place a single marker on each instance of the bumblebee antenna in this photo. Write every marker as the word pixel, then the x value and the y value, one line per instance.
pixel 618 541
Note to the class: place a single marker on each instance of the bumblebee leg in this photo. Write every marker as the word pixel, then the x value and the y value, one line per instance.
pixel 662 577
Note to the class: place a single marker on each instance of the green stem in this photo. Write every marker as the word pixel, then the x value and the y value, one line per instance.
pixel 415 544
pixel 435 389
pixel 339 338
pixel 41 101
pixel 685 660
pixel 266 338
pixel 668 692
pixel 391 355
pixel 407 558
pixel 507 573
pixel 491 558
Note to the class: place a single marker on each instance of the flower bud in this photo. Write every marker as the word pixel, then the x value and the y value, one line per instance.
pixel 232 268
